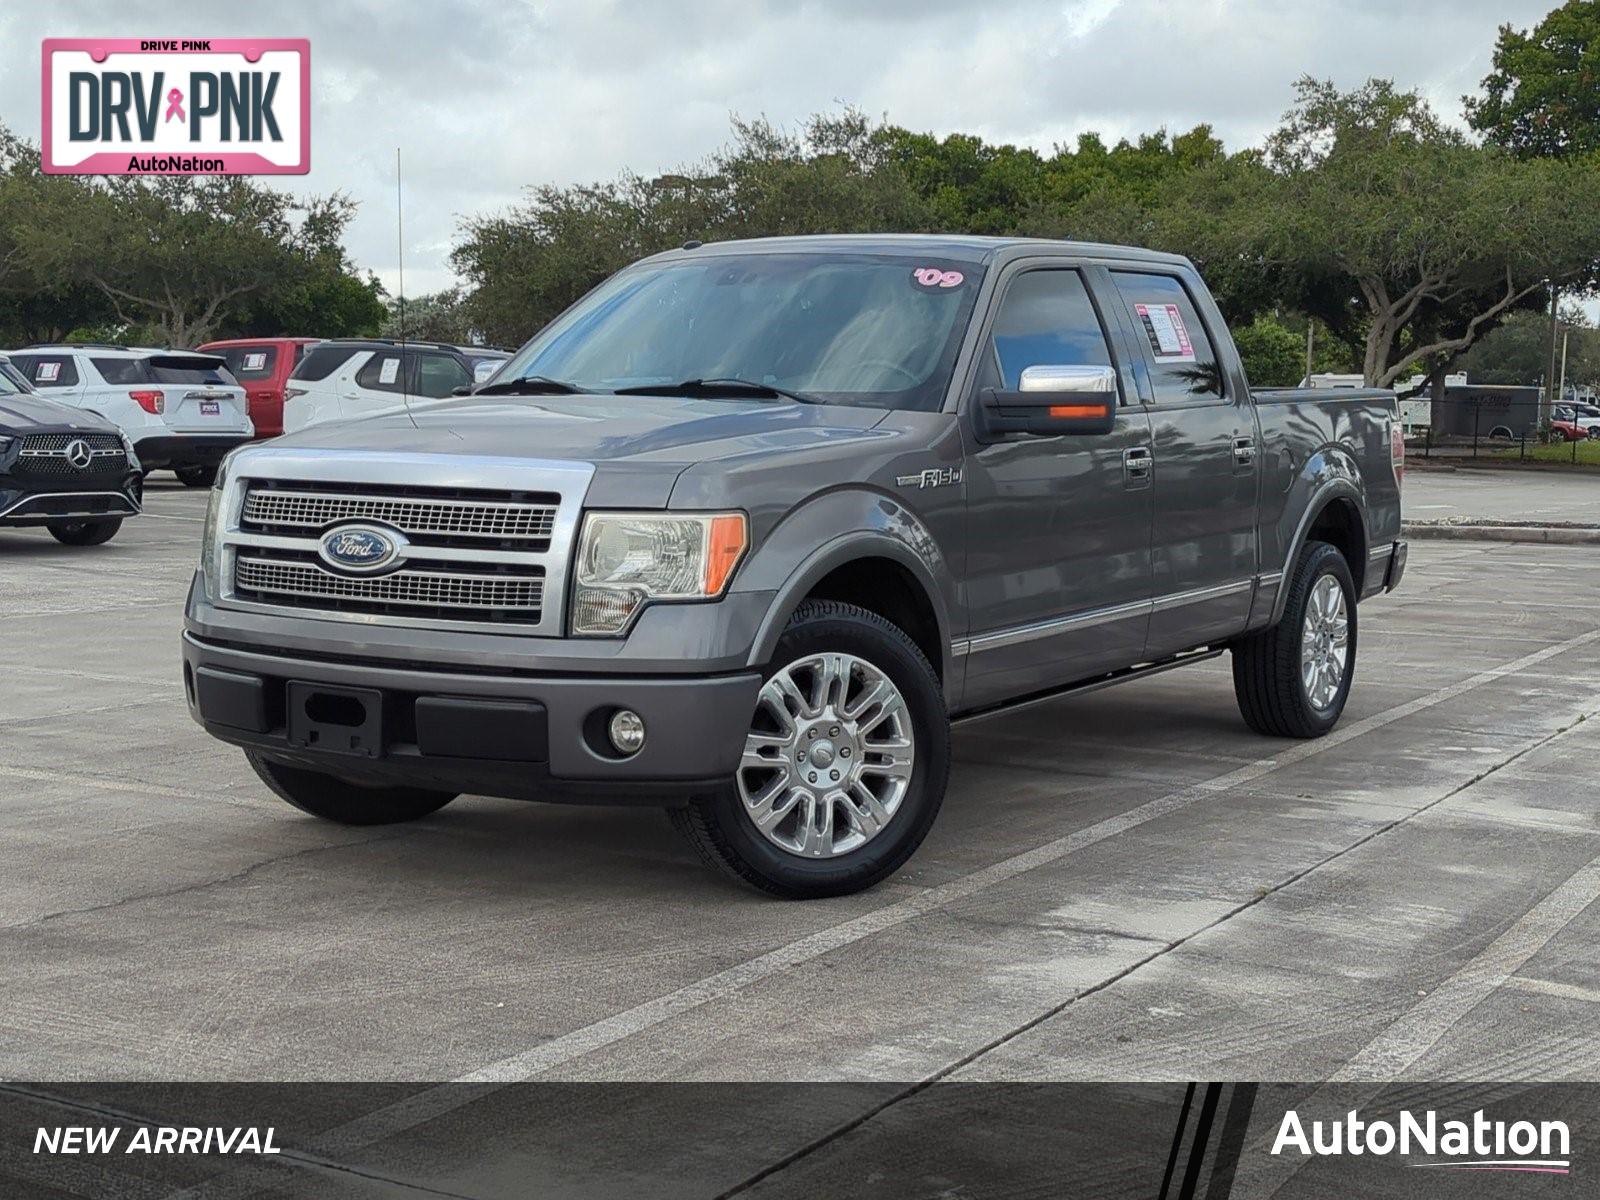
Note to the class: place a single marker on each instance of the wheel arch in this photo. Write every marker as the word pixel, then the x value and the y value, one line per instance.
pixel 888 563
pixel 1336 514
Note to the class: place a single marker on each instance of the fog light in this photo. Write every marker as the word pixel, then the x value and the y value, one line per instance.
pixel 626 731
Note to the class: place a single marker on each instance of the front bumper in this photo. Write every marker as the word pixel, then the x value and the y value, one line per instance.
pixel 488 733
pixel 29 504
pixel 187 449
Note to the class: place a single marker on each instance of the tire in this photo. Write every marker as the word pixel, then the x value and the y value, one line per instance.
pixel 1593 433
pixel 345 803
pixel 1267 675
pixel 84 533
pixel 196 476
pixel 871 649
pixel 1502 433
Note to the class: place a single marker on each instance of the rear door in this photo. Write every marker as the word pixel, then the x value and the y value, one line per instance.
pixel 260 369
pixel 1058 543
pixel 201 397
pixel 55 375
pixel 1205 443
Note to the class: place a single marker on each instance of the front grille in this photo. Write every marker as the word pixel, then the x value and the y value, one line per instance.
pixel 469 594
pixel 523 523
pixel 43 458
pixel 57 443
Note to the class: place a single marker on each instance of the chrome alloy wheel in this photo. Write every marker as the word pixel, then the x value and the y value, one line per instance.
pixel 828 759
pixel 1324 643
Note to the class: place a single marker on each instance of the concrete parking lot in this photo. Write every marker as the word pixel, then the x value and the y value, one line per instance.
pixel 1127 885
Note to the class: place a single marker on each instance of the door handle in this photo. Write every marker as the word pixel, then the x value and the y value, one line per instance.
pixel 1136 464
pixel 1244 451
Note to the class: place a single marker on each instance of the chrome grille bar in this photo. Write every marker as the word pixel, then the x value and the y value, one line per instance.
pixel 519 596
pixel 500 520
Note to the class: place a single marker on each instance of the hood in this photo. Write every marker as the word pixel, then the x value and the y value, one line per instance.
pixel 598 429
pixel 34 414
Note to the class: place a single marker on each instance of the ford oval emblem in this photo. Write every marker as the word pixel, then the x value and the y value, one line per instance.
pixel 360 548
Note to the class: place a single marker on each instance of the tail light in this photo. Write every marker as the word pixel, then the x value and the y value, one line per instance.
pixel 1397 452
pixel 153 403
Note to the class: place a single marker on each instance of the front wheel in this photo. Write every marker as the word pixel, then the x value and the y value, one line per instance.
pixel 196 476
pixel 1293 679
pixel 345 803
pixel 845 761
pixel 84 533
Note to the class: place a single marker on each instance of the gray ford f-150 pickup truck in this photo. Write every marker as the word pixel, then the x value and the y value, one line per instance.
pixel 743 530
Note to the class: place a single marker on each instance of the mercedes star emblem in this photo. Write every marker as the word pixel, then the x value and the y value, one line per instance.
pixel 79 454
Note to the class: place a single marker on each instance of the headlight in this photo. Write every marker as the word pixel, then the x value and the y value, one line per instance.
pixel 5 444
pixel 627 560
pixel 209 531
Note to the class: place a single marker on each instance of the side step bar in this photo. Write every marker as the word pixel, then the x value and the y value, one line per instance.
pixel 1093 684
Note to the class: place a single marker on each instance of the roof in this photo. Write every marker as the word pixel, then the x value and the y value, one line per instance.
pixel 257 341
pixel 945 245
pixel 106 350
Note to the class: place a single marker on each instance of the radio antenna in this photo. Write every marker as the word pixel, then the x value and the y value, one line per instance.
pixel 400 255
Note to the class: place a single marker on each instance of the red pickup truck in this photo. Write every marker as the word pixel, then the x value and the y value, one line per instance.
pixel 262 366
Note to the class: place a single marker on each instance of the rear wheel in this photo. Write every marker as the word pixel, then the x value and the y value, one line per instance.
pixel 1293 679
pixel 846 760
pixel 345 803
pixel 84 533
pixel 196 476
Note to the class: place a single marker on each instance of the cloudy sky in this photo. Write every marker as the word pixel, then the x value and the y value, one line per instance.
pixel 488 96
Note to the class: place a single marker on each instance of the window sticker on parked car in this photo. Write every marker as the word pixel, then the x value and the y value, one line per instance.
pixel 935 277
pixel 255 361
pixel 48 372
pixel 1169 338
pixel 390 369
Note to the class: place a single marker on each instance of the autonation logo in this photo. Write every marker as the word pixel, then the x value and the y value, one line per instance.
pixel 1478 1144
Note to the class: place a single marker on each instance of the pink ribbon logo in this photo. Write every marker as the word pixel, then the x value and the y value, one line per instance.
pixel 175 105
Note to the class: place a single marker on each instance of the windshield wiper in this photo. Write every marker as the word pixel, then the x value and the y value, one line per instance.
pixel 723 386
pixel 530 385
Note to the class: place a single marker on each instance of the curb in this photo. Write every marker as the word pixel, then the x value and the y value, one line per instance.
pixel 1549 535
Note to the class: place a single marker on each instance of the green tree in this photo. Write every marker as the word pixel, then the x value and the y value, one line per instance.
pixel 1543 96
pixel 439 317
pixel 1518 352
pixel 1368 194
pixel 1274 355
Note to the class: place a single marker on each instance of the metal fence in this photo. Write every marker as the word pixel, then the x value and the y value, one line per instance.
pixel 1496 429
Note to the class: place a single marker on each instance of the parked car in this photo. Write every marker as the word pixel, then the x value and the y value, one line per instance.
pixel 484 360
pixel 182 410
pixel 70 471
pixel 262 367
pixel 749 525
pixel 363 377
pixel 1566 428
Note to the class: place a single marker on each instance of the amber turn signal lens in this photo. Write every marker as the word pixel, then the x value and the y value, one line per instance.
pixel 724 548
pixel 1078 410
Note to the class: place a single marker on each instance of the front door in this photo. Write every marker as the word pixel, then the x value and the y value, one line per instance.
pixel 1205 443
pixel 1058 558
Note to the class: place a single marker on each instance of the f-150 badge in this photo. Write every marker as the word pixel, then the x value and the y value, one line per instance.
pixel 931 477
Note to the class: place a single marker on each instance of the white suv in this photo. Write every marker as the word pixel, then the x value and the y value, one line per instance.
pixel 363 377
pixel 181 410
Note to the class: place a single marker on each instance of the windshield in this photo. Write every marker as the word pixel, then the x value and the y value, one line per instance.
pixel 11 382
pixel 878 330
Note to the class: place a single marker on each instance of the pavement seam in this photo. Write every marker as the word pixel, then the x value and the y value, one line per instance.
pixel 200 885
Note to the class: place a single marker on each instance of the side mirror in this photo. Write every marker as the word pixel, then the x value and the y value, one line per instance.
pixel 1051 401
pixel 461 389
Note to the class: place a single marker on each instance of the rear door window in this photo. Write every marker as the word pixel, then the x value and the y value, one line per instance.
pixel 1183 363
pixel 1045 319
pixel 250 364
pixel 439 375
pixel 322 361
pixel 382 373
pixel 47 370
pixel 121 370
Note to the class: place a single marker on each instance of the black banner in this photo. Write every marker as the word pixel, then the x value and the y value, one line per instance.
pixel 1150 1141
